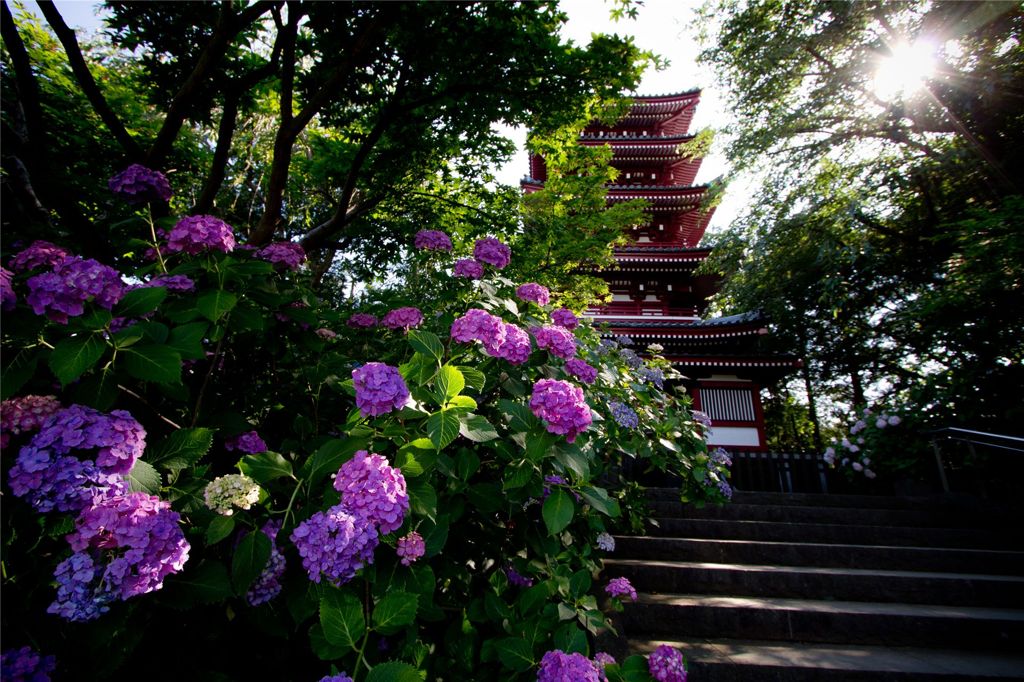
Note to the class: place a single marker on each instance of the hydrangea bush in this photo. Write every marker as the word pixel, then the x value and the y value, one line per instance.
pixel 285 489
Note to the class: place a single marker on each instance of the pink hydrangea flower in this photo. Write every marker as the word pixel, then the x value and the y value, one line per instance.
pixel 362 321
pixel 558 666
pixel 621 587
pixel 410 548
pixel 531 291
pixel 516 348
pixel 38 254
pixel 469 268
pixel 8 299
pixel 432 240
pixel 373 490
pixel 666 664
pixel 25 414
pixel 581 370
pixel 479 325
pixel 559 341
pixel 199 233
pixel 402 318
pixel 564 317
pixel 493 252
pixel 326 334
pixel 379 389
pixel 287 255
pixel 561 406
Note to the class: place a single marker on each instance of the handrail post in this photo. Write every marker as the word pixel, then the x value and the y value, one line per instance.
pixel 938 461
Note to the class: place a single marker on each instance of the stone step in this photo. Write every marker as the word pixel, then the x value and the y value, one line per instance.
pixel 816 500
pixel 809 582
pixel 821 554
pixel 917 518
pixel 777 531
pixel 837 622
pixel 726 660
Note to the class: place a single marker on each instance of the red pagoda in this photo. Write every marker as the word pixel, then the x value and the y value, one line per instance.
pixel 656 296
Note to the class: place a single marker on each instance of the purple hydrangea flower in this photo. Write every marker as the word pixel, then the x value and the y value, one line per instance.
pixel 62 293
pixel 552 480
pixel 531 291
pixel 379 389
pixel 516 578
pixel 620 587
pixel 559 341
pixel 562 407
pixel 632 360
pixel 564 317
pixel 479 325
pixel 249 443
pixel 137 184
pixel 26 665
pixel 25 414
pixel 558 666
pixel 402 318
pixel 581 370
pixel 362 321
pixel 652 375
pixel 268 584
pixel 169 282
pixel 49 477
pixel 199 233
pixel 624 415
pixel 492 251
pixel 373 490
pixel 287 255
pixel 666 664
pixel 606 542
pixel 326 334
pixel 410 548
pixel 894 421
pixel 726 489
pixel 141 538
pixel 340 677
pixel 516 348
pixel 432 240
pixel 701 418
pixel 469 268
pixel 335 544
pixel 38 254
pixel 8 299
pixel 721 457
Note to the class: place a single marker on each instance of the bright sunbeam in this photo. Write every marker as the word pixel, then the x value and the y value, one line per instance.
pixel 905 70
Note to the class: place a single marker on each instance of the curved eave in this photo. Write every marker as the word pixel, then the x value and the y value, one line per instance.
pixel 744 362
pixel 681 332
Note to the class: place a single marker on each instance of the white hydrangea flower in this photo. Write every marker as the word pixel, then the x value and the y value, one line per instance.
pixel 233 490
pixel 606 542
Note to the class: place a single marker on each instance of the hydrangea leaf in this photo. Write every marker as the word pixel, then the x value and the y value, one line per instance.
pixel 558 511
pixel 570 638
pixel 635 669
pixel 73 357
pixel 598 499
pixel 532 599
pixel 520 418
pixel 475 379
pixel 144 478
pixel 203 583
pixel 486 497
pixel 220 527
pixel 466 464
pixel 443 428
pixel 341 617
pixel 449 383
pixel 436 537
pixel 17 373
pixel 519 475
pixel 187 340
pixel 152 362
pixel 477 429
pixel 180 449
pixel 463 403
pixel 426 343
pixel 321 647
pixel 579 583
pixel 213 305
pixel 250 557
pixel 138 302
pixel 98 391
pixel 394 671
pixel 329 458
pixel 422 498
pixel 394 612
pixel 573 459
pixel 265 466
pixel 515 653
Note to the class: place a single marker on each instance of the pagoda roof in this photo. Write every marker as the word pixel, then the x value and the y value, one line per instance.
pixel 784 362
pixel 713 330
pixel 644 140
pixel 660 254
pixel 685 94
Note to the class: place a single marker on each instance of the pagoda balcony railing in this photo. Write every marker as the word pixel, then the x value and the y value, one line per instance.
pixel 641 310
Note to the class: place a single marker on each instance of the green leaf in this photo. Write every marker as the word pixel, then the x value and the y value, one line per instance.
pixel 520 418
pixel 449 383
pixel 422 497
pixel 636 669
pixel 443 428
pixel 266 466
pixel 436 537
pixel 341 617
pixel 462 402
pixel 475 379
pixel 151 362
pixel 144 478
pixel 515 653
pixel 477 429
pixel 72 357
pixel 574 460
pixel 187 340
pixel 532 600
pixel 570 638
pixel 579 583
pixel 394 612
pixel 598 499
pixel 394 671
pixel 250 558
pixel 214 304
pixel 517 476
pixel 426 343
pixel 323 649
pixel 98 391
pixel 17 373
pixel 219 528
pixel 205 583
pixel 180 449
pixel 138 302
pixel 558 511
pixel 486 497
pixel 329 458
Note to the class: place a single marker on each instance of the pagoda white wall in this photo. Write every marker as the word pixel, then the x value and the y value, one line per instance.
pixel 734 436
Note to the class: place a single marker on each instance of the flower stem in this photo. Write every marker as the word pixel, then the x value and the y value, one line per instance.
pixel 156 245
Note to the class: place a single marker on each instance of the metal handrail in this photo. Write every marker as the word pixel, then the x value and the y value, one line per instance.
pixel 951 433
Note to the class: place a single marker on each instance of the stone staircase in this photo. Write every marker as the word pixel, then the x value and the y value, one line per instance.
pixel 794 587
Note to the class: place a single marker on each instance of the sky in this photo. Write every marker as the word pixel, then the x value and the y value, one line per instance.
pixel 666 27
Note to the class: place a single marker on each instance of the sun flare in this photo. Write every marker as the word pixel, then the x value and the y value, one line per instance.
pixel 904 71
